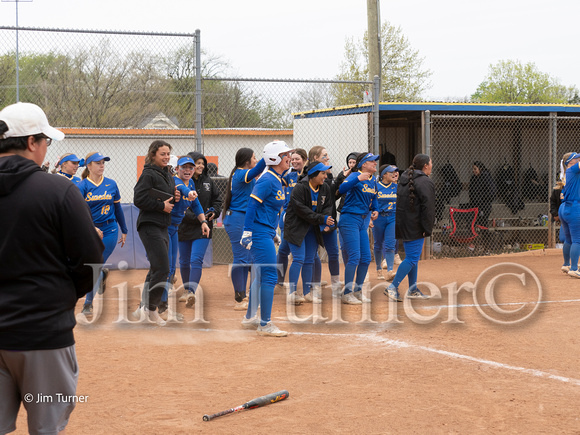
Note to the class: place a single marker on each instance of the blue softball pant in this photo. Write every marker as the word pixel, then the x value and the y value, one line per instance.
pixel 354 228
pixel 303 261
pixel 191 253
pixel 569 213
pixel 110 239
pixel 283 253
pixel 409 266
pixel 384 240
pixel 263 252
pixel 234 226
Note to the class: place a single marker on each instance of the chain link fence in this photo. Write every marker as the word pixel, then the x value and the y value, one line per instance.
pixel 494 176
pixel 116 92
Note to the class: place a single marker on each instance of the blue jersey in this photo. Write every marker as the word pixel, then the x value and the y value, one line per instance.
pixel 571 190
pixel 76 180
pixel 387 197
pixel 181 206
pixel 269 192
pixel 101 198
pixel 291 180
pixel 361 196
pixel 243 182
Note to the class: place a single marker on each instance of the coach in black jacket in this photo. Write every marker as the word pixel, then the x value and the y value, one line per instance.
pixel 300 216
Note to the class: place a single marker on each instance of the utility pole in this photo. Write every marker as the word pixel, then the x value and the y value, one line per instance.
pixel 373 18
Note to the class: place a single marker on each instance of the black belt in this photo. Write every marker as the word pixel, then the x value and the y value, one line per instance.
pixel 386 213
pixel 102 224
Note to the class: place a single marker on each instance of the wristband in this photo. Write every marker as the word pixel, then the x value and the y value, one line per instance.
pixel 203 222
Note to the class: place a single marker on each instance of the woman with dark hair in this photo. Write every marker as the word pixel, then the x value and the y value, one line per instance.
pixel 155 184
pixel 298 159
pixel 193 233
pixel 319 154
pixel 309 210
pixel 360 190
pixel 241 182
pixel 555 201
pixel 414 221
pixel 481 192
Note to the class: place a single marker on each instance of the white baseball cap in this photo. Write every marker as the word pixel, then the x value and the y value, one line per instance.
pixel 27 119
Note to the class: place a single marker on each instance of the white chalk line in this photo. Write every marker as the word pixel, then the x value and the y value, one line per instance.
pixel 401 344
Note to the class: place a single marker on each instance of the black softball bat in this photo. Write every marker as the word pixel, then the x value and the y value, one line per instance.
pixel 255 403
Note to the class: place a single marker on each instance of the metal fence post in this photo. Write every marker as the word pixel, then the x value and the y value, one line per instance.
pixel 198 141
pixel 552 171
pixel 428 132
pixel 376 99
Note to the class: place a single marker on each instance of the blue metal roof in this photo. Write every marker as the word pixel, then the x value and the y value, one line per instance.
pixel 441 107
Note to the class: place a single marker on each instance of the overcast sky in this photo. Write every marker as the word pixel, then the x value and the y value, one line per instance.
pixel 305 39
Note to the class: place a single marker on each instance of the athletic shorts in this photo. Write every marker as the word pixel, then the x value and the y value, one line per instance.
pixel 45 381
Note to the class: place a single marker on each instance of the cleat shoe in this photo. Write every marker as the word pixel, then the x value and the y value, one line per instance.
pixel 252 323
pixel 87 309
pixel 295 298
pixel 380 274
pixel 398 259
pixel 190 299
pixel 311 298
pixel 271 330
pixel 103 285
pixel 361 297
pixel 323 283
pixel 390 275
pixel 574 273
pixel 183 297
pixel 393 294
pixel 416 294
pixel 138 313
pixel 279 289
pixel 162 307
pixel 384 264
pixel 565 269
pixel 350 299
pixel 241 306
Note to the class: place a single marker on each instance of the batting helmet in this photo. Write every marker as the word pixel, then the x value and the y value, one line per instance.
pixel 272 151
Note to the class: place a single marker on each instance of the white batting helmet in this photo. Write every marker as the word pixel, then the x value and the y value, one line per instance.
pixel 272 151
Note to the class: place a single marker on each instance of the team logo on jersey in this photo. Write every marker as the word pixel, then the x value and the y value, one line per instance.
pixel 368 189
pixel 280 195
pixel 322 198
pixel 207 186
pixel 104 196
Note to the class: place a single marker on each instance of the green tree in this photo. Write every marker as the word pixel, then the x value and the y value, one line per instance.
pixel 511 81
pixel 404 77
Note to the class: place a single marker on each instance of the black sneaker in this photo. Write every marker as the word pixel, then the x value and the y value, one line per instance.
pixel 87 309
pixel 162 307
pixel 103 285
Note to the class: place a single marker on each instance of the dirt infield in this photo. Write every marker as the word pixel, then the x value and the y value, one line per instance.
pixel 479 376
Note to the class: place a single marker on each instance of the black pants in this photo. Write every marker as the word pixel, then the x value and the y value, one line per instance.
pixel 156 242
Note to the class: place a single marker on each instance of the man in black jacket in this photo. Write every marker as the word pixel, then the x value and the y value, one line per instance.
pixel 48 243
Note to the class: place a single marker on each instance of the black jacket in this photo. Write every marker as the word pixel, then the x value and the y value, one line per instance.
pixel 416 223
pixel 555 201
pixel 47 238
pixel 300 216
pixel 209 196
pixel 333 190
pixel 150 209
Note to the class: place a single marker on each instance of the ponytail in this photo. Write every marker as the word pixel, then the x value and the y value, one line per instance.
pixel 243 156
pixel 419 163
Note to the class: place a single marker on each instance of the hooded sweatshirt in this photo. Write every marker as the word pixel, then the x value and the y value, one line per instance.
pixel 151 209
pixel 209 197
pixel 47 239
pixel 412 223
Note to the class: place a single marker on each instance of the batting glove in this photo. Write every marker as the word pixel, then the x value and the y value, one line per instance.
pixel 246 241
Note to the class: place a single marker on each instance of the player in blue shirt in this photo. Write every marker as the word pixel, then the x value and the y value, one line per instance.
pixel 569 211
pixel 265 203
pixel 242 181
pixel 103 197
pixel 360 188
pixel 384 225
pixel 184 184
pixel 69 165
pixel 298 159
